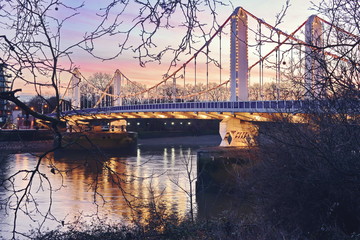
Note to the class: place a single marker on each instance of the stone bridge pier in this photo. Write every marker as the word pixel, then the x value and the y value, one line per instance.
pixel 220 168
pixel 235 132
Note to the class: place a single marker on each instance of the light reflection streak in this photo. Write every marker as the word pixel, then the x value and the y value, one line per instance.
pixel 148 170
pixel 165 158
pixel 173 157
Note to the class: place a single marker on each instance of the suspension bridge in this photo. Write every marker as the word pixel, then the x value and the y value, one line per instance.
pixel 216 87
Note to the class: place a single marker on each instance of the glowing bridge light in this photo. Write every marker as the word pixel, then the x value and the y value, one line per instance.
pixel 203 116
pixel 194 105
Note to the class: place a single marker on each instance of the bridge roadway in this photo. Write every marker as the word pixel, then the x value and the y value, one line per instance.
pixel 232 131
pixel 199 110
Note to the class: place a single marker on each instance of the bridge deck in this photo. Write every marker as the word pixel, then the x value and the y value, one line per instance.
pixel 217 110
pixel 253 110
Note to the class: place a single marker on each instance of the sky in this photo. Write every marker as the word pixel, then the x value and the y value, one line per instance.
pixel 75 28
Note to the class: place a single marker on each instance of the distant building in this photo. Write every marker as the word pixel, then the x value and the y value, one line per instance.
pixel 4 107
pixel 22 121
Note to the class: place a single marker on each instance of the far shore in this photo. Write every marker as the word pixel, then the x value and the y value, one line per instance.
pixel 45 145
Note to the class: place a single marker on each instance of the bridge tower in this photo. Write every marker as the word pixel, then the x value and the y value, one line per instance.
pixel 314 58
pixel 239 56
pixel 117 87
pixel 75 89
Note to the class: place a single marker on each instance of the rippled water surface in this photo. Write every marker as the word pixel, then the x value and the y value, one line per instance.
pixel 81 185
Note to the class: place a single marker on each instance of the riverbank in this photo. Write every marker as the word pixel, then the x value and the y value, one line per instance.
pixel 45 145
pixel 16 135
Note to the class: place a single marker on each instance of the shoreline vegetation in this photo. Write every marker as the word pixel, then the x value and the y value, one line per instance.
pixel 169 228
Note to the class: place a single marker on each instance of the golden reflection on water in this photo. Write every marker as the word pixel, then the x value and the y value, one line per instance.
pixel 85 180
pixel 136 179
pixel 89 184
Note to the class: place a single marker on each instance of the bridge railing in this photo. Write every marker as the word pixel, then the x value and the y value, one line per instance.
pixel 238 106
pixel 282 106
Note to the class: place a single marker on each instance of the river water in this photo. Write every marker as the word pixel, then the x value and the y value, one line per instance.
pixel 86 187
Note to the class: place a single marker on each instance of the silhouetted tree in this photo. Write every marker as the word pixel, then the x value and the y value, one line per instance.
pixel 308 183
pixel 35 53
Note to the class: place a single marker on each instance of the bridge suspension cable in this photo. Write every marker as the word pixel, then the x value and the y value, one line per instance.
pixel 292 37
pixel 261 63
pixel 220 59
pixel 194 57
pixel 153 91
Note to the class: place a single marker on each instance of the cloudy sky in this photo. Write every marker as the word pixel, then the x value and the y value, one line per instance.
pixel 75 28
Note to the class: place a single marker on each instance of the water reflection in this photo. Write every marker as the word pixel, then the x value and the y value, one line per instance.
pixel 88 184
